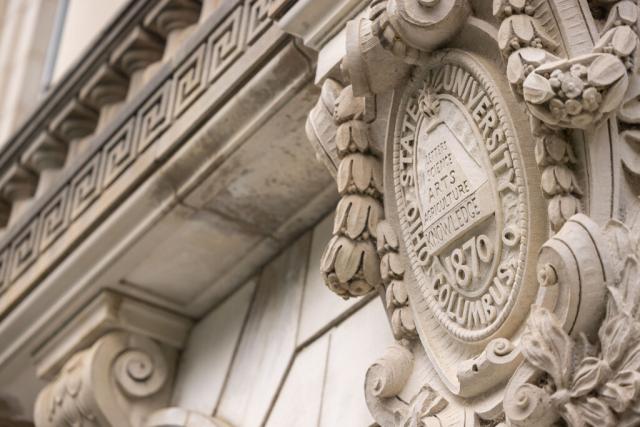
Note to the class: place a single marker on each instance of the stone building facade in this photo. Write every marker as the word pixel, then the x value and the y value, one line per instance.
pixel 185 186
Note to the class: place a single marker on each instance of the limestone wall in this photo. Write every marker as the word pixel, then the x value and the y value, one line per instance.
pixel 283 349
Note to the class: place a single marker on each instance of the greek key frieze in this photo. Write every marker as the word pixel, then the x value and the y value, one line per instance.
pixel 118 149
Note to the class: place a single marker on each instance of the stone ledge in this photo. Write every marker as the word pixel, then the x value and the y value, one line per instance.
pixel 94 185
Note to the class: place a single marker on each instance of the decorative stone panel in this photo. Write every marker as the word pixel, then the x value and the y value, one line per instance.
pixel 508 271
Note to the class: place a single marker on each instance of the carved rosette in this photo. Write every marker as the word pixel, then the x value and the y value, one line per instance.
pixel 502 315
pixel 115 382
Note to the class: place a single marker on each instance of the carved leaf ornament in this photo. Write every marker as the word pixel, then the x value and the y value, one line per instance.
pixel 350 264
pixel 596 384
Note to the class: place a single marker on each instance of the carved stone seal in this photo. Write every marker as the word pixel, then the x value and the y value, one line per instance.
pixel 460 194
pixel 464 208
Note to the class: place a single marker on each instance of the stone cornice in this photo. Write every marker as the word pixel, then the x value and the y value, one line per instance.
pixel 93 185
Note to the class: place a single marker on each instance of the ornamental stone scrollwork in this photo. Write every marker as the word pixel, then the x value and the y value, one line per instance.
pixel 385 380
pixel 359 175
pixel 115 382
pixel 457 173
pixel 458 193
pixel 507 218
pixel 592 378
pixel 398 34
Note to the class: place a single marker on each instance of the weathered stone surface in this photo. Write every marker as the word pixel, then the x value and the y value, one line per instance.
pixel 269 340
pixel 485 157
pixel 205 362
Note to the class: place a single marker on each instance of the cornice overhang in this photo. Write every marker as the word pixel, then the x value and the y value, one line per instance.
pixel 143 135
pixel 207 118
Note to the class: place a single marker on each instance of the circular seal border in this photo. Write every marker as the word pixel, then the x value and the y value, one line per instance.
pixel 463 59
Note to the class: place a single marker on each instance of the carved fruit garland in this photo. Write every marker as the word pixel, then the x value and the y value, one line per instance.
pixel 350 264
pixel 562 94
pixel 574 93
pixel 527 46
pixel 584 384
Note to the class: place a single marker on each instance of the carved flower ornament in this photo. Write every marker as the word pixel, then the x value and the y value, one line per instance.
pixel 576 93
pixel 570 93
pixel 595 384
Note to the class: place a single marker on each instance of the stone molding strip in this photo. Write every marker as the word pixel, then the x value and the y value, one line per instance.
pixel 119 157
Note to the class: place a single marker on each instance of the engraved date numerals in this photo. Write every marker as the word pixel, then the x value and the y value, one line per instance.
pixel 464 262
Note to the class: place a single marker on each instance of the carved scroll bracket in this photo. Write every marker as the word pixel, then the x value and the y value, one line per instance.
pixel 116 382
pixel 386 378
pixel 112 364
